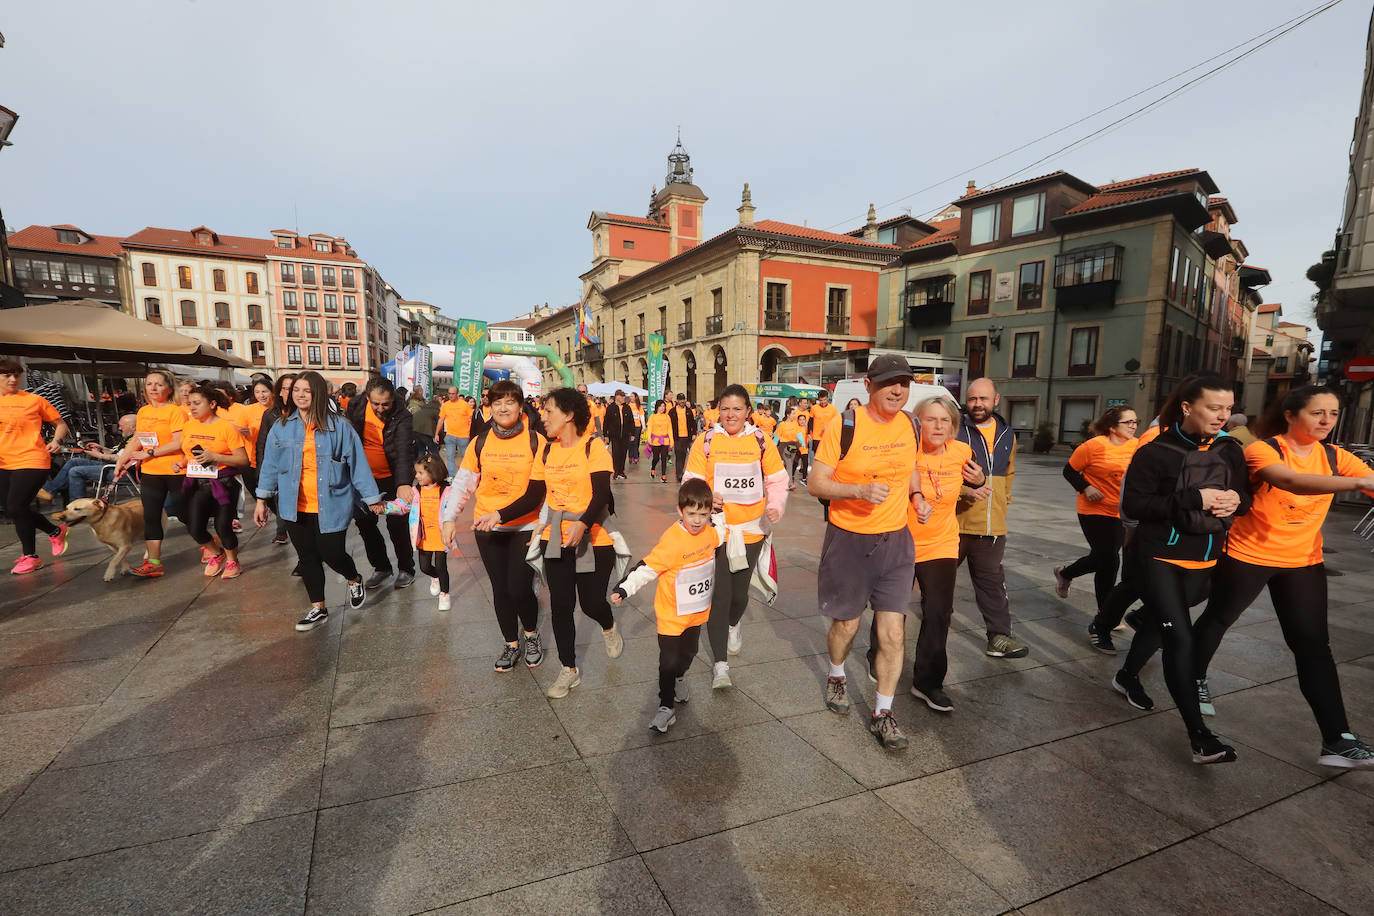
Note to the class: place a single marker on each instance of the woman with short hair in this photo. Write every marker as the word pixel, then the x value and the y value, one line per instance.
pixel 25 460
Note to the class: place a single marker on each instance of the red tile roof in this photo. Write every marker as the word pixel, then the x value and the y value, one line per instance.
pixel 225 246
pixel 946 230
pixel 998 189
pixel 635 220
pixel 1116 198
pixel 1147 179
pixel 1292 324
pixel 1256 351
pixel 44 238
pixel 818 235
pixel 1269 307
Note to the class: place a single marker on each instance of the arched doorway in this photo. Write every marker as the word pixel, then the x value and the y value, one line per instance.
pixel 721 364
pixel 624 371
pixel 689 376
pixel 768 364
pixel 644 373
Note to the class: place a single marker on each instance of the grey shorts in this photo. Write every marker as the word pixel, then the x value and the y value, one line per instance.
pixel 861 570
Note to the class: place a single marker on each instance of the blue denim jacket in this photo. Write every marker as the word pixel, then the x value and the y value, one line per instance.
pixel 342 473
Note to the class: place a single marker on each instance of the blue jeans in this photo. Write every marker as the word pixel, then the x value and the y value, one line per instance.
pixel 75 475
pixel 454 444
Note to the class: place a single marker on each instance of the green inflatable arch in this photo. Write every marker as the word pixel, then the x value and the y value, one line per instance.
pixel 542 351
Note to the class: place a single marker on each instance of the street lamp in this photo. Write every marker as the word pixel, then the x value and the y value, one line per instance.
pixel 7 119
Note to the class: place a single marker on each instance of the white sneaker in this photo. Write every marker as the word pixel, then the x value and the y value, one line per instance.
pixel 568 678
pixel 663 720
pixel 680 690
pixel 735 641
pixel 434 588
pixel 615 643
pixel 720 676
pixel 445 602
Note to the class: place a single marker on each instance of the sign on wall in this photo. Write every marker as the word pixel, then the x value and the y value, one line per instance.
pixel 1004 287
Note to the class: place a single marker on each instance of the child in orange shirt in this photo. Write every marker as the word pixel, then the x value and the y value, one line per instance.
pixel 682 602
pixel 430 493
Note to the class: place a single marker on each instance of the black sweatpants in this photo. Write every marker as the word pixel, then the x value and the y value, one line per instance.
pixel 19 487
pixel 675 654
pixel 936 578
pixel 800 462
pixel 567 589
pixel 397 526
pixel 154 489
pixel 680 448
pixel 202 509
pixel 730 597
pixel 659 460
pixel 315 548
pixel 434 563
pixel 1169 592
pixel 984 554
pixel 512 581
pixel 620 447
pixel 1299 596
pixel 1103 534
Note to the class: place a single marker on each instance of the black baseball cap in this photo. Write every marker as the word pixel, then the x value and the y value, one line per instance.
pixel 888 367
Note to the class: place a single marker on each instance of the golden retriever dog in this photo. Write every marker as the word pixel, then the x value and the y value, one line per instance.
pixel 118 527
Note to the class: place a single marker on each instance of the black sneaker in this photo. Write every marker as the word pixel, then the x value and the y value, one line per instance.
pixel 1347 752
pixel 1129 687
pixel 935 698
pixel 534 650
pixel 405 579
pixel 509 656
pixel 1102 642
pixel 313 618
pixel 378 577
pixel 1210 749
pixel 357 593
pixel 296 570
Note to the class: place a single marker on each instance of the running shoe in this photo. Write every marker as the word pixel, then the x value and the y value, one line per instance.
pixel 663 720
pixel 509 656
pixel 357 593
pixel 232 570
pixel 1003 645
pixel 836 698
pixel 664 478
pixel 935 698
pixel 885 729
pixel 615 643
pixel 1061 585
pixel 214 566
pixel 568 678
pixel 313 618
pixel 44 496
pixel 205 555
pixel 28 565
pixel 1204 699
pixel 378 577
pixel 147 570
pixel 720 676
pixel 735 641
pixel 1210 749
pixel 1129 687
pixel 534 650
pixel 405 579
pixel 434 588
pixel 280 538
pixel 236 525
pixel 680 690
pixel 1348 752
pixel 445 602
pixel 59 541
pixel 1102 642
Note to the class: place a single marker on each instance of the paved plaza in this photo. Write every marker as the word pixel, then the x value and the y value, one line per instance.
pixel 175 746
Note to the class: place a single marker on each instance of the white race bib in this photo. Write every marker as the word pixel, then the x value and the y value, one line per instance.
pixel 694 585
pixel 209 471
pixel 739 483
pixel 147 440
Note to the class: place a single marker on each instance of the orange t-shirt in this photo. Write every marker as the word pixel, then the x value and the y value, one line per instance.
pixel 1149 435
pixel 506 471
pixel 156 426
pixel 1102 465
pixel 372 443
pixel 686 567
pixel 942 478
pixel 431 536
pixel 883 452
pixel 637 412
pixel 457 418
pixel 660 425
pixel 736 469
pixel 308 497
pixel 765 422
pixel 216 435
pixel 821 418
pixel 1282 529
pixel 789 433
pixel 681 421
pixel 252 413
pixel 712 416
pixel 568 476
pixel 989 433
pixel 598 416
pixel 22 416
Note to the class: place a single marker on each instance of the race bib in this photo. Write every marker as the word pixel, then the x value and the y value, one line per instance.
pixel 209 471
pixel 739 483
pixel 694 585
pixel 147 440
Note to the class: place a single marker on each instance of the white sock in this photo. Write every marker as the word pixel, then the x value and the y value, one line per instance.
pixel 881 703
pixel 837 670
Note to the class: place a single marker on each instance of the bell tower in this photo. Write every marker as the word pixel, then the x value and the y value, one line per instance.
pixel 679 205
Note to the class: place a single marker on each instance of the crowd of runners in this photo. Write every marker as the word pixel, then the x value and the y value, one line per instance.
pixel 1205 515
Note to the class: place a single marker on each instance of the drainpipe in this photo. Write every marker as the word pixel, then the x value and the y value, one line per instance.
pixel 901 309
pixel 1054 339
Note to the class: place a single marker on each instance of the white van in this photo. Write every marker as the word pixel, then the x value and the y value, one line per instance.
pixel 854 388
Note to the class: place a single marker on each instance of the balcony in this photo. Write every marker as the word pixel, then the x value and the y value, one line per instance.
pixel 714 324
pixel 260 360
pixel 776 320
pixel 620 345
pixel 639 342
pixel 925 312
pixel 1238 346
pixel 837 324
pixel 590 353
pixel 684 331
pixel 1087 278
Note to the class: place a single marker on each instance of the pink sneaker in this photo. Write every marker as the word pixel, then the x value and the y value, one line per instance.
pixel 214 565
pixel 231 570
pixel 59 541
pixel 26 565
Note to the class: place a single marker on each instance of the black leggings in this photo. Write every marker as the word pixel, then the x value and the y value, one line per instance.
pixel 512 581
pixel 659 460
pixel 680 447
pixel 201 508
pixel 730 598
pixel 567 589
pixel 1125 593
pixel 1299 596
pixel 1169 592
pixel 675 654
pixel 1103 534
pixel 800 458
pixel 936 578
pixel 634 445
pixel 434 563
pixel 19 486
pixel 154 489
pixel 315 548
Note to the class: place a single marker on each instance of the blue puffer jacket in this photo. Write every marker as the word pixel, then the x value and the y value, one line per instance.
pixel 342 475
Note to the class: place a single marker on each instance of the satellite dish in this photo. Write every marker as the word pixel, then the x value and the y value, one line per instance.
pixel 1132 365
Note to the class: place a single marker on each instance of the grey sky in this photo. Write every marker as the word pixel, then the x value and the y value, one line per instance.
pixel 461 147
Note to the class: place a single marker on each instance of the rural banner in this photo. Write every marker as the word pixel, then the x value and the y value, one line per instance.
pixel 655 369
pixel 469 350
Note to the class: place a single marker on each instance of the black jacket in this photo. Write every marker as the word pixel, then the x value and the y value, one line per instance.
pixel 691 421
pixel 619 421
pixel 397 437
pixel 269 419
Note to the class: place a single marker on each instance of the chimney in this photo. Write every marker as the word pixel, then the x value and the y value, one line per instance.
pixel 746 207
pixel 871 227
pixel 971 189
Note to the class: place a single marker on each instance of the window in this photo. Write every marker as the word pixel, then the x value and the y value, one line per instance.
pixel 837 311
pixel 1031 289
pixel 225 344
pixel 347 275
pixel 1268 340
pixel 21 269
pixel 979 291
pixel 775 307
pixel 68 237
pixel 293 327
pixel 353 356
pixel 152 310
pixel 1087 265
pixel 331 329
pixel 149 274
pixel 976 351
pixel 1173 274
pixel 218 275
pixel 985 224
pixel 188 313
pixel 1186 292
pixel 334 356
pixel 288 299
pixel 251 282
pixel 351 304
pixel 312 327
pixel 308 274
pixel 933 345
pixel 351 330
pixel 311 303
pixel 1025 354
pixel 255 317
pixel 221 314
pixel 1083 351
pixel 312 353
pixel 288 273
pixel 321 246
pixel 1027 214
pixel 285 242
pixel 184 277
pixel 717 303
pixel 258 349
pixel 628 245
pixel 1281 364
pixel 327 276
pixel 331 302
pixel 1199 289
pixel 293 353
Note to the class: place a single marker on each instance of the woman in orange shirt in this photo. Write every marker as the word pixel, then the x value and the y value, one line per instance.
pixel 213 451
pixel 660 429
pixel 25 460
pixel 154 446
pixel 1095 470
pixel 1294 473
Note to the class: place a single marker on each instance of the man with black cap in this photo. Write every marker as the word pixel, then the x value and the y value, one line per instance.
pixel 684 424
pixel 866 467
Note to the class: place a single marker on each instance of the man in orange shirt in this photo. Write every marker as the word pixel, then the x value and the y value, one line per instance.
pixel 454 428
pixel 821 417
pixel 384 425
